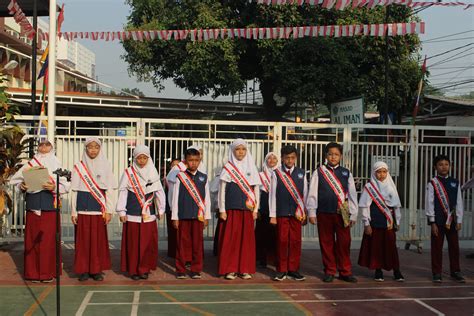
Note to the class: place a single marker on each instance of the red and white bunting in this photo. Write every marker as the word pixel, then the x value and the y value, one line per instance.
pixel 21 19
pixel 370 4
pixel 260 33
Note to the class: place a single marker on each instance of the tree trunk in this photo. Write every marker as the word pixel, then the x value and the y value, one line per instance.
pixel 272 111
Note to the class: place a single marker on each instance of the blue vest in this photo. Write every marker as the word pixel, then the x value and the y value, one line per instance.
pixel 187 207
pixel 42 201
pixel 327 199
pixel 451 185
pixel 377 218
pixel 86 202
pixel 285 204
pixel 264 208
pixel 133 205
pixel 234 197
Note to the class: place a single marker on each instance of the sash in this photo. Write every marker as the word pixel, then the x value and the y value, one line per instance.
pixel 265 181
pixel 242 183
pixel 145 203
pixel 91 185
pixel 190 186
pixel 35 162
pixel 290 185
pixel 336 186
pixel 380 202
pixel 443 199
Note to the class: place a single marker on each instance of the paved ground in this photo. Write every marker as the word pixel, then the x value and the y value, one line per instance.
pixel 163 294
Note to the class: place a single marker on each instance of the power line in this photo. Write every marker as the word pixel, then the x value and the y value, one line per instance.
pixel 450 59
pixel 449 51
pixel 445 36
pixel 447 73
pixel 449 40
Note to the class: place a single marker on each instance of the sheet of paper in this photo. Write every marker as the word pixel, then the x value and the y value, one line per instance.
pixel 35 178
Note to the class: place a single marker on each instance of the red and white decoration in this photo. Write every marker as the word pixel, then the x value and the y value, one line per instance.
pixel 21 19
pixel 370 4
pixel 258 33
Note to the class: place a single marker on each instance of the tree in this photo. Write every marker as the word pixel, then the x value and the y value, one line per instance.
pixel 313 70
pixel 134 91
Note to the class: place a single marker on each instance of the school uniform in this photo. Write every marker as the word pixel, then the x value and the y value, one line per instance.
pixel 185 209
pixel 40 224
pixel 334 236
pixel 437 216
pixel 139 251
pixel 289 215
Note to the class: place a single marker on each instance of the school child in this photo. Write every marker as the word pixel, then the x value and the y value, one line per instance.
pixel 380 207
pixel 94 189
pixel 265 235
pixel 171 232
pixel 444 209
pixel 191 211
pixel 288 192
pixel 40 226
pixel 332 198
pixel 214 192
pixel 238 206
pixel 140 203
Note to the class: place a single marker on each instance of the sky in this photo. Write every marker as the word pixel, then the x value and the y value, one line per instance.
pixel 110 15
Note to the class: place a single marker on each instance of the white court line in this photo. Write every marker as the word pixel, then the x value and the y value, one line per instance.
pixel 434 310
pixel 290 289
pixel 297 301
pixel 84 303
pixel 136 302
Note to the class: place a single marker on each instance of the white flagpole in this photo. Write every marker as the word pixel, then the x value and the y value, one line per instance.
pixel 52 72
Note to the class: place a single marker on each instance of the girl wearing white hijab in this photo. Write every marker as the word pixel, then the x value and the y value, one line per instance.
pixel 40 228
pixel 141 202
pixel 265 234
pixel 93 197
pixel 239 193
pixel 380 207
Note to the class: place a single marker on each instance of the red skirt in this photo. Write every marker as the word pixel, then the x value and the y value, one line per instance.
pixel 92 245
pixel 40 246
pixel 139 248
pixel 379 251
pixel 237 243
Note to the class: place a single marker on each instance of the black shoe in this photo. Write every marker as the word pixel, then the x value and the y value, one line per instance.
pixel 98 277
pixel 181 276
pixel 328 278
pixel 280 276
pixel 187 265
pixel 348 278
pixel 84 277
pixel 437 278
pixel 295 275
pixel 397 276
pixel 457 276
pixel 135 277
pixel 378 277
pixel 195 275
pixel 144 276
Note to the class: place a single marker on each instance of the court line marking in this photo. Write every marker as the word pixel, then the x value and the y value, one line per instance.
pixel 300 307
pixel 434 310
pixel 136 302
pixel 407 299
pixel 188 307
pixel 85 302
pixel 39 300
pixel 291 289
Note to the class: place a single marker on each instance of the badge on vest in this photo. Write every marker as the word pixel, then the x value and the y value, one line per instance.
pixel 453 184
pixel 201 179
pixel 345 173
pixel 300 176
pixel 248 174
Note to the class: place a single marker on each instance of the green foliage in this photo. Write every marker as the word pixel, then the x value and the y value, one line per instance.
pixel 313 70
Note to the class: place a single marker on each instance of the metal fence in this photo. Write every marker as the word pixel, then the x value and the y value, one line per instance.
pixel 408 150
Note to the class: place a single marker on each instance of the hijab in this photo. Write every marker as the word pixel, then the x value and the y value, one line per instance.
pixel 246 166
pixel 147 175
pixel 387 188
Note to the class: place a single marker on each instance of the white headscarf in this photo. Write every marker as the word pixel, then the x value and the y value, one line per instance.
pixel 148 175
pixel 387 188
pixel 266 168
pixel 246 166
pixel 99 167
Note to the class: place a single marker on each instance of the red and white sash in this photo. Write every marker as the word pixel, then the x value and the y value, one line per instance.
pixel 190 186
pixel 242 183
pixel 265 181
pixel 290 185
pixel 145 203
pixel 443 199
pixel 334 183
pixel 36 163
pixel 91 185
pixel 380 202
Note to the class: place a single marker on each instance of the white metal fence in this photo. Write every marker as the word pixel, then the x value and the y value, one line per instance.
pixel 408 150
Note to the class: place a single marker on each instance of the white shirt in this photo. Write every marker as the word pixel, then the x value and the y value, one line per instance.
pixel 312 200
pixel 175 199
pixel 429 204
pixel 121 208
pixel 273 185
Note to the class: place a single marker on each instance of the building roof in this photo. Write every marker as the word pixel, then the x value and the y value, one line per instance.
pixel 27 7
pixel 449 100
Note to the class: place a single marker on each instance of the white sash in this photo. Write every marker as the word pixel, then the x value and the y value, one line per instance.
pixel 190 186
pixel 290 185
pixel 243 184
pixel 91 185
pixel 145 203
pixel 35 162
pixel 334 183
pixel 443 199
pixel 265 181
pixel 380 202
